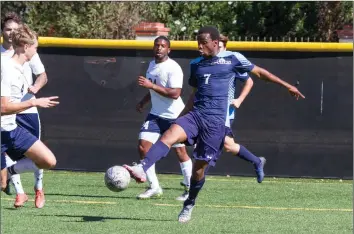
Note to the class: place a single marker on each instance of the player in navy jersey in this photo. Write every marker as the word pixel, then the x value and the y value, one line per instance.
pixel 204 120
pixel 230 145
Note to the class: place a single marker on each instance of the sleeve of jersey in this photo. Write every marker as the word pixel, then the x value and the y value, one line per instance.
pixel 175 79
pixel 36 65
pixel 192 79
pixel 242 64
pixel 5 83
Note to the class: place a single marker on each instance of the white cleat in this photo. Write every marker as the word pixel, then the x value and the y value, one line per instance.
pixel 151 193
pixel 186 214
pixel 183 197
pixel 136 172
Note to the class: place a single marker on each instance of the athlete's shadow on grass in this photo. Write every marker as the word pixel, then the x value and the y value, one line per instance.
pixel 92 196
pixel 86 218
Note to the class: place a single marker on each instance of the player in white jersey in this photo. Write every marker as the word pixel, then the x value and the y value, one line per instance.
pixel 164 79
pixel 29 119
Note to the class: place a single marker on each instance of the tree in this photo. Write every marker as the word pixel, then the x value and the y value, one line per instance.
pixel 115 20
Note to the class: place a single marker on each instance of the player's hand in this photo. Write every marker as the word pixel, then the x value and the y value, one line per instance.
pixel 236 102
pixel 144 82
pixel 33 90
pixel 295 92
pixel 46 102
pixel 139 107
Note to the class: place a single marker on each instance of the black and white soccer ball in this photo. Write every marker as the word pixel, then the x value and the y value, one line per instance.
pixel 117 178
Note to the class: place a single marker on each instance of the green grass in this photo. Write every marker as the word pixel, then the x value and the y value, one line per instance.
pixel 80 203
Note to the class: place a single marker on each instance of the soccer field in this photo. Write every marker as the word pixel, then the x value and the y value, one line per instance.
pixel 80 203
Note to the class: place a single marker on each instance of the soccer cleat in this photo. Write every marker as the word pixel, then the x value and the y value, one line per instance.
pixel 151 193
pixel 184 196
pixel 186 214
pixel 136 172
pixel 8 188
pixel 259 170
pixel 39 200
pixel 21 199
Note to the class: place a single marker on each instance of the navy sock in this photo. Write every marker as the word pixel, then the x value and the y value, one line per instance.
pixel 194 189
pixel 156 152
pixel 248 156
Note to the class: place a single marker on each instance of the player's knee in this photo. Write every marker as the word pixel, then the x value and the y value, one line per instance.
pixel 174 134
pixel 49 163
pixel 3 184
pixel 168 138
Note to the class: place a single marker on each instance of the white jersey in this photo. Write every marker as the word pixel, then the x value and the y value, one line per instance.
pixel 34 66
pixel 170 75
pixel 13 85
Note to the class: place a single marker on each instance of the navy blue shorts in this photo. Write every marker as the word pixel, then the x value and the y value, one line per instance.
pixel 31 123
pixel 153 127
pixel 154 123
pixel 16 142
pixel 207 134
pixel 3 161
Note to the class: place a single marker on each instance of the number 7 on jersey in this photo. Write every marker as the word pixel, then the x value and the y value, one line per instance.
pixel 207 76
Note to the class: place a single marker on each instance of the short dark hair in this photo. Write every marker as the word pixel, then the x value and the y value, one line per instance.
pixel 211 30
pixel 164 39
pixel 10 16
pixel 224 39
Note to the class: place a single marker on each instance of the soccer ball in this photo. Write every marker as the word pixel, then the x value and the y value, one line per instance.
pixel 117 178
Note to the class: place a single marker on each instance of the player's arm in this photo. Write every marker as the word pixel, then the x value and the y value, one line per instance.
pixel 244 92
pixel 9 108
pixel 263 74
pixel 146 99
pixel 41 76
pixel 173 93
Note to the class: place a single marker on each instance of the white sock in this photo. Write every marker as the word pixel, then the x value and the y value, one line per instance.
pixel 9 162
pixel 152 177
pixel 24 165
pixel 186 168
pixel 16 180
pixel 38 179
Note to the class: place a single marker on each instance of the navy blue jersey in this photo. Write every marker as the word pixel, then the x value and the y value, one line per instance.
pixel 214 78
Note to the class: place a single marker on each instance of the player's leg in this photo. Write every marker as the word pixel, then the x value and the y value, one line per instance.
pixel 31 123
pixel 146 140
pixel 35 122
pixel 41 155
pixel 208 148
pixel 186 168
pixel 197 182
pixel 183 130
pixel 21 196
pixel 3 179
pixel 3 173
pixel 239 150
pixel 12 179
pixel 149 134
